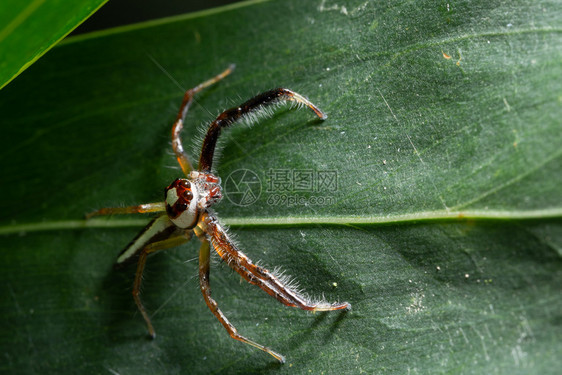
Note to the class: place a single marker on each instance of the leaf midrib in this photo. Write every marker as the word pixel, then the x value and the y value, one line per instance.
pixel 293 221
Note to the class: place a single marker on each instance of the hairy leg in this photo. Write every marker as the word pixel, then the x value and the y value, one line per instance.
pixel 204 282
pixel 258 275
pixel 181 156
pixel 249 108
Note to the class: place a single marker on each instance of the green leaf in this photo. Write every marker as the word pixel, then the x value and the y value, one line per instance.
pixel 443 231
pixel 28 29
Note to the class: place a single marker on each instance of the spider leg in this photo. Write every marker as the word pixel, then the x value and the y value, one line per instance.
pixel 140 209
pixel 148 249
pixel 204 257
pixel 249 108
pixel 157 230
pixel 181 156
pixel 159 234
pixel 258 275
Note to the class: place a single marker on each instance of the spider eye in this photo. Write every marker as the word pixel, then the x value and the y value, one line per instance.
pixel 186 184
pixel 188 195
pixel 181 207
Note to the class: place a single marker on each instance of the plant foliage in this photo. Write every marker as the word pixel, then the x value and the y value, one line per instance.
pixel 443 230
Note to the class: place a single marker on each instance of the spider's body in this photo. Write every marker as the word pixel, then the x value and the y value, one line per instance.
pixel 185 212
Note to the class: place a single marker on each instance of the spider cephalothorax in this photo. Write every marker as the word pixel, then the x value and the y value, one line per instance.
pixel 186 205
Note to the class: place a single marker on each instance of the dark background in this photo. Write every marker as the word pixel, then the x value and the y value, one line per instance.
pixel 124 12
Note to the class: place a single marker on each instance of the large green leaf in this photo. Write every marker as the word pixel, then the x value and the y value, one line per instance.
pixel 444 230
pixel 28 29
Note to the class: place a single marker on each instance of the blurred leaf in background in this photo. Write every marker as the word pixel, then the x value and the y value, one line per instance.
pixel 28 29
pixel 443 229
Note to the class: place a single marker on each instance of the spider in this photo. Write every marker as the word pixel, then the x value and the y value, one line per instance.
pixel 186 211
